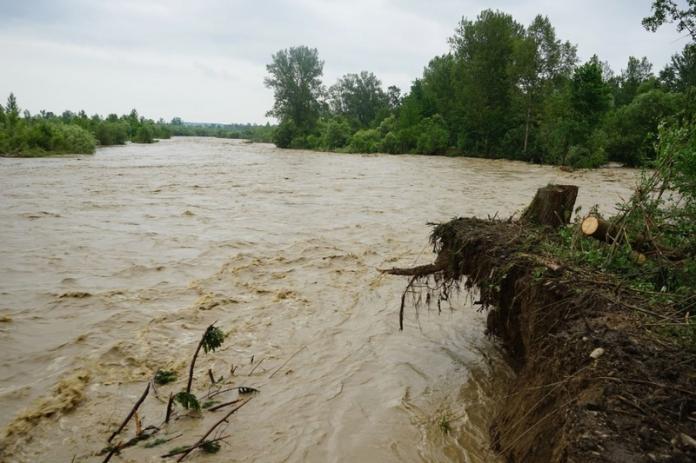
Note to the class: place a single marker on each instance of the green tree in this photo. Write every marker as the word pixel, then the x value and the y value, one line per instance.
pixel 295 77
pixel 632 130
pixel 541 61
pixel 484 50
pixel 12 111
pixel 637 72
pixel 667 11
pixel 358 97
pixel 680 74
pixel 574 114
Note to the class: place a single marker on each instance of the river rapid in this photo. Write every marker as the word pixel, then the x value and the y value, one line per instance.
pixel 112 265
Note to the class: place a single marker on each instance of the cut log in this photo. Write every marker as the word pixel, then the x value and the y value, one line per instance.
pixel 599 229
pixel 552 206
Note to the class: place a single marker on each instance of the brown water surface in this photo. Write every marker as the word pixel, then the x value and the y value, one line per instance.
pixel 112 265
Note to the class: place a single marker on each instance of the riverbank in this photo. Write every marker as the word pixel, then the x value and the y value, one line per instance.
pixel 604 372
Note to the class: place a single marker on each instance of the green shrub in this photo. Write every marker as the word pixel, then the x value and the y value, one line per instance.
pixel 633 128
pixel 434 137
pixel 284 133
pixel 365 141
pixel 391 144
pixel 336 134
pixel 111 133
pixel 73 139
pixel 144 134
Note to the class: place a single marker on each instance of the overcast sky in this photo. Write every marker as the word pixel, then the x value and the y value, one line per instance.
pixel 204 60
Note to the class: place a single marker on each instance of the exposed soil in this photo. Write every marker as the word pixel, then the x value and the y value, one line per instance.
pixel 594 382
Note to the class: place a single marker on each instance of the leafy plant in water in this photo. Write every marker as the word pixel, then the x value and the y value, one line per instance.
pixel 165 376
pixel 210 446
pixel 187 400
pixel 212 339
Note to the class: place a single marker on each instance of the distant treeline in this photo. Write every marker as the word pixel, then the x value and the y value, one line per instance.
pixel 254 132
pixel 46 133
pixel 504 90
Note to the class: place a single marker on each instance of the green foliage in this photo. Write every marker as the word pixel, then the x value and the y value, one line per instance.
pixel 144 134
pixel 165 376
pixel 365 141
pixel 434 138
pixel 111 133
pixel 658 220
pixel 187 400
pixel 667 11
pixel 210 446
pixel 680 74
pixel 285 133
pixel 212 339
pixel 45 133
pixel 295 77
pixel 337 133
pixel 632 129
pixel 359 98
pixel 504 90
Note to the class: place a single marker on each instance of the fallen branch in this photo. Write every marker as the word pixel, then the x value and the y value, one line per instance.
pixel 202 439
pixel 130 415
pixel 169 407
pixel 287 361
pixel 223 405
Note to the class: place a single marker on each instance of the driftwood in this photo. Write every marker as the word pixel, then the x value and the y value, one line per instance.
pixel 552 206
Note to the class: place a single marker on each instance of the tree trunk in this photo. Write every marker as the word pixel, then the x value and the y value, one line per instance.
pixel 552 206
pixel 526 128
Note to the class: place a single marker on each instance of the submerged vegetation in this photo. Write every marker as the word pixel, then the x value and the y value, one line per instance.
pixel 504 90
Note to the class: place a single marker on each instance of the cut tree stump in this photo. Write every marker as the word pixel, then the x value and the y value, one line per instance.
pixel 552 206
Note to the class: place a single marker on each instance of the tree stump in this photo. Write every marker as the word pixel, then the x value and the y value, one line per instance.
pixel 552 206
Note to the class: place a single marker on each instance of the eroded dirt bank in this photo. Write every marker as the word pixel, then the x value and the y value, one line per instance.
pixel 592 383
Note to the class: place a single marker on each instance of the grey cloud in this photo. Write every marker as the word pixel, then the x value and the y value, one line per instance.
pixel 205 60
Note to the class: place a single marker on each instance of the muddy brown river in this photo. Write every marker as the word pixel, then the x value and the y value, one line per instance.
pixel 112 265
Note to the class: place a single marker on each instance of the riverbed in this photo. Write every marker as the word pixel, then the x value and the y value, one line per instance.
pixel 112 265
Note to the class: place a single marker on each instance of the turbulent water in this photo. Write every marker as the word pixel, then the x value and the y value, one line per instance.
pixel 112 265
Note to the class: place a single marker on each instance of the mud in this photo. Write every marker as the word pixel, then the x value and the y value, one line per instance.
pixel 112 265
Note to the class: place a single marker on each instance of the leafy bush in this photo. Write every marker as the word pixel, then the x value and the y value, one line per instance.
pixel 144 134
pixel 434 137
pixel 111 133
pixel 633 128
pixel 336 134
pixel 391 144
pixel 68 138
pixel 284 133
pixel 365 141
